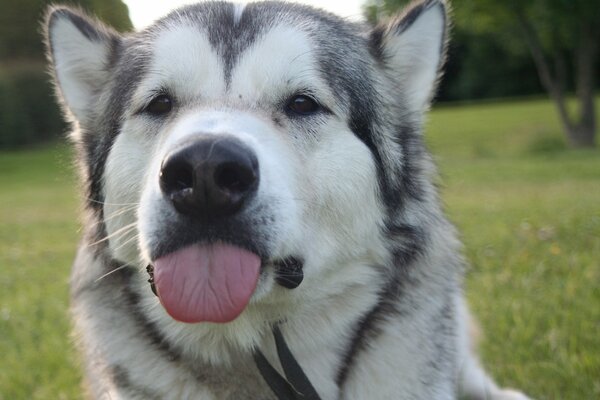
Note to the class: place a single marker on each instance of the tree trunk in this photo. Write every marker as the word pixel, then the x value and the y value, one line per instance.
pixel 580 133
pixel 585 131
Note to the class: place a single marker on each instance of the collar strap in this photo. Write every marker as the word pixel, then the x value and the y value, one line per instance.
pixel 295 385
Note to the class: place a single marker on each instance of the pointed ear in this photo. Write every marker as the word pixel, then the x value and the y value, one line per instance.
pixel 80 51
pixel 412 47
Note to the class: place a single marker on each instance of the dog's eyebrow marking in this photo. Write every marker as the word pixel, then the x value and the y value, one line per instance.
pixel 238 11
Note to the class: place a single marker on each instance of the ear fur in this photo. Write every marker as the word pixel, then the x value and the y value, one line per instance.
pixel 412 47
pixel 80 51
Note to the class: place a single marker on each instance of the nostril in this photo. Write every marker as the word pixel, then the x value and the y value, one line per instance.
pixel 176 177
pixel 234 177
pixel 210 177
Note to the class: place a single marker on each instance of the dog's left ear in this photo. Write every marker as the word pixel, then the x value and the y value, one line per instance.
pixel 412 48
pixel 80 50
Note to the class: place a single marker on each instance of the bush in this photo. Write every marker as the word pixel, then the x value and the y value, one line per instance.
pixel 28 111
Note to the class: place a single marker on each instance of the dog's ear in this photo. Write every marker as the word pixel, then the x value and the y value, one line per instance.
pixel 80 51
pixel 412 48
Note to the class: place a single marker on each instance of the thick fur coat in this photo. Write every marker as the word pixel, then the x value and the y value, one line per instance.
pixel 255 137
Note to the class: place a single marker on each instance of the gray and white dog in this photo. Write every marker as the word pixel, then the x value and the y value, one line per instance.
pixel 264 163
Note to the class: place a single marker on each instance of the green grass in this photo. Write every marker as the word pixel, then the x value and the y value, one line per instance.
pixel 529 214
pixel 527 208
pixel 38 232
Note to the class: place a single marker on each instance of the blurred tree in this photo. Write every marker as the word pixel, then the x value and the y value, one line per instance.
pixel 562 37
pixel 20 23
pixel 28 111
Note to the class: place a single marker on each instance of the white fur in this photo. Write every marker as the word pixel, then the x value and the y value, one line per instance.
pixel 239 11
pixel 182 60
pixel 260 77
pixel 80 65
pixel 415 56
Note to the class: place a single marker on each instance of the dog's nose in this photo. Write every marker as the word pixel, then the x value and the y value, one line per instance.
pixel 210 177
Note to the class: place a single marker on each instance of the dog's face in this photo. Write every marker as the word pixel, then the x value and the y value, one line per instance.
pixel 237 149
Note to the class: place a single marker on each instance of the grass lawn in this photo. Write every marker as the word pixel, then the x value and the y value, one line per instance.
pixel 38 232
pixel 528 210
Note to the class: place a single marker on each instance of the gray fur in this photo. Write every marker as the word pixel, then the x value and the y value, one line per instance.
pixel 392 291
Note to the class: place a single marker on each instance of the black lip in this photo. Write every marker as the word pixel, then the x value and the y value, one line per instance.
pixel 240 231
pixel 289 272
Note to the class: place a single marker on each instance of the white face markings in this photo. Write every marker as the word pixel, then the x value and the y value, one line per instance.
pixel 336 177
pixel 183 59
pixel 125 171
pixel 280 63
pixel 238 12
pixel 185 64
pixel 317 189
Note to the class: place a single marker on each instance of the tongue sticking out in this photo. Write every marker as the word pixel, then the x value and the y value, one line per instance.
pixel 211 283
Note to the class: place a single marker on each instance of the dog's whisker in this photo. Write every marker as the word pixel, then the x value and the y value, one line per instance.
pixel 120 212
pixel 112 272
pixel 128 241
pixel 104 203
pixel 114 215
pixel 120 232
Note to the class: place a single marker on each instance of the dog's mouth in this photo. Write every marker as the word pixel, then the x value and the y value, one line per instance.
pixel 213 282
pixel 206 282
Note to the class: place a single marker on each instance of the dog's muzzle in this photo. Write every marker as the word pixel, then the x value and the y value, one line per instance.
pixel 213 178
pixel 210 181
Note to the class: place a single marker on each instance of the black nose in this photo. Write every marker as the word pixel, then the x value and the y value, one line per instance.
pixel 210 177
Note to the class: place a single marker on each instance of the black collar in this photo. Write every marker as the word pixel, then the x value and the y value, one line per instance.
pixel 295 385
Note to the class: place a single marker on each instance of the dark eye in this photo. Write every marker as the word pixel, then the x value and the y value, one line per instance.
pixel 160 105
pixel 303 105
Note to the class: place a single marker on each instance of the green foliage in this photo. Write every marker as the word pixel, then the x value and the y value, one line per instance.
pixel 28 110
pixel 20 23
pixel 530 224
pixel 488 57
pixel 470 74
pixel 557 22
pixel 375 10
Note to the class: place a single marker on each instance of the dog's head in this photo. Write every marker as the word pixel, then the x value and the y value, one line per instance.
pixel 239 149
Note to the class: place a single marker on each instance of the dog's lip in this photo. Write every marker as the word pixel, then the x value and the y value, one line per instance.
pixel 265 258
pixel 288 271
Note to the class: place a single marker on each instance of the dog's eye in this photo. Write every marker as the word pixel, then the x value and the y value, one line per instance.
pixel 160 105
pixel 303 105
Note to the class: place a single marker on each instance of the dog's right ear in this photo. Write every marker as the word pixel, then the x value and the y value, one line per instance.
pixel 412 48
pixel 80 51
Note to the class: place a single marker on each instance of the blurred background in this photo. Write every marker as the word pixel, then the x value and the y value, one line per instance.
pixel 513 129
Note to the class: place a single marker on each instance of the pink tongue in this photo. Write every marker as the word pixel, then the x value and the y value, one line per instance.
pixel 206 282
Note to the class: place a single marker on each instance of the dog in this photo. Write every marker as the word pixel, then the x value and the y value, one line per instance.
pixel 261 220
